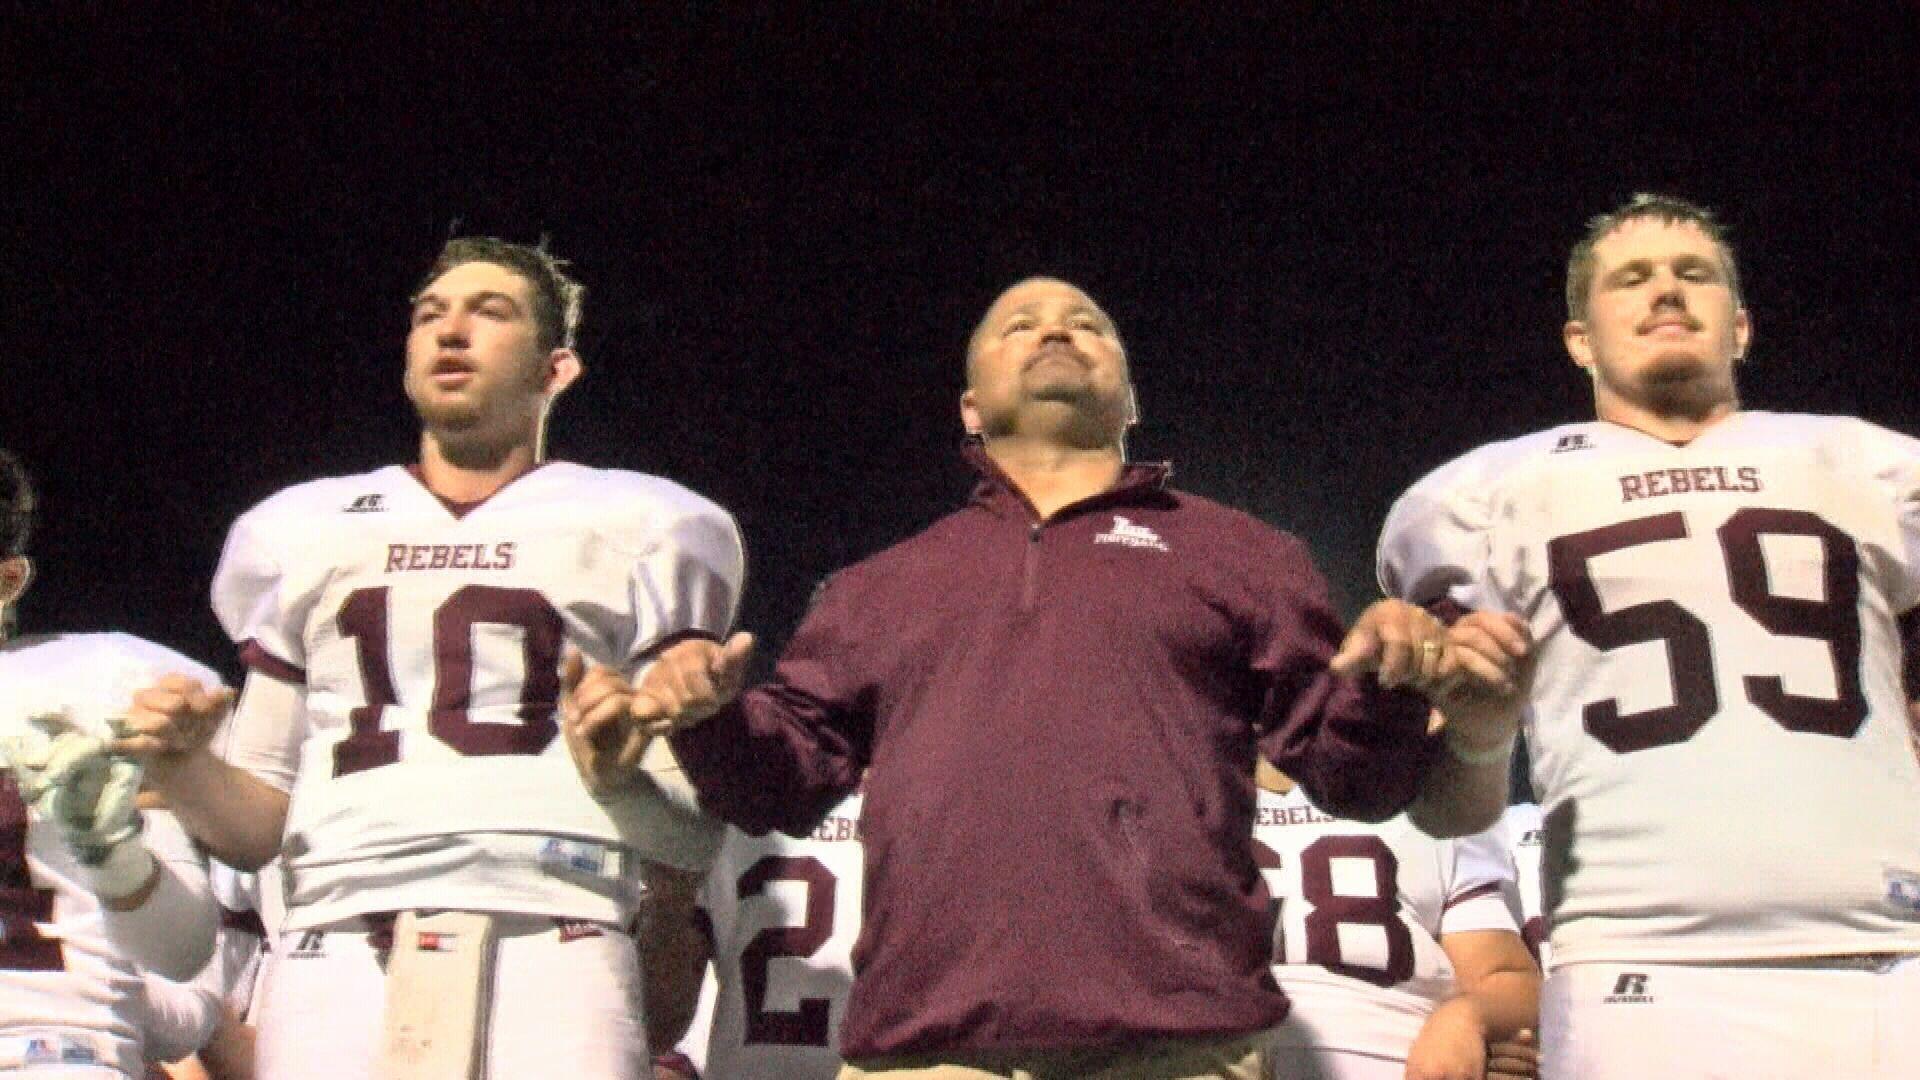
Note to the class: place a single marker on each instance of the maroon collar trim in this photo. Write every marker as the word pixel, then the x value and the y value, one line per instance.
pixel 460 509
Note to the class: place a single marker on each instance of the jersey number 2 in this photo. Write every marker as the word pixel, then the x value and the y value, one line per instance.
pixel 806 1025
pixel 364 618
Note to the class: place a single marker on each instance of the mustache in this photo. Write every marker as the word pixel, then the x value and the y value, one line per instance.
pixel 1648 323
pixel 1055 348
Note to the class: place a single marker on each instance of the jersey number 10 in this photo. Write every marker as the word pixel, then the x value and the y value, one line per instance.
pixel 363 618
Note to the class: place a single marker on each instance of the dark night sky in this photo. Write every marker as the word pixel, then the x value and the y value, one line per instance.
pixel 1333 236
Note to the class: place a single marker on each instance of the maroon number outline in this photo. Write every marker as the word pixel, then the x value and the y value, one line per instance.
pixel 1331 909
pixel 1689 644
pixel 22 904
pixel 364 618
pixel 808 1024
pixel 1833 620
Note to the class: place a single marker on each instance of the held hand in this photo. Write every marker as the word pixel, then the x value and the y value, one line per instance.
pixel 171 721
pixel 595 704
pixel 1489 661
pixel 1516 1059
pixel 690 682
pixel 1399 642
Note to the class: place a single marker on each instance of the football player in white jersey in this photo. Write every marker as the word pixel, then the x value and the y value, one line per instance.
pixel 785 914
pixel 456 896
pixel 1716 717
pixel 92 889
pixel 1400 953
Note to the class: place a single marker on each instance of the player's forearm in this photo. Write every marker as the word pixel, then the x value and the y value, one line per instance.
pixel 1505 1003
pixel 235 815
pixel 170 930
pixel 1459 797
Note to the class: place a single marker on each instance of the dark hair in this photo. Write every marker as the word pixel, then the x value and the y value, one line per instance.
pixel 556 297
pixel 17 504
pixel 1664 208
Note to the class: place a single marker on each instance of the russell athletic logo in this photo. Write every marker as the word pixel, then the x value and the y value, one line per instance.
pixel 366 504
pixel 1630 989
pixel 1134 536
pixel 1575 441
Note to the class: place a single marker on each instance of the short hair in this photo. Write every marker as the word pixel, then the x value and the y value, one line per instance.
pixel 557 298
pixel 18 506
pixel 981 328
pixel 1669 209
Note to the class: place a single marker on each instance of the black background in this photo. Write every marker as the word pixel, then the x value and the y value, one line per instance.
pixel 1333 236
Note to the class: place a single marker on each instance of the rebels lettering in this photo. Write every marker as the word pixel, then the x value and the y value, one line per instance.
pixel 838 828
pixel 1649 485
pixel 1288 815
pixel 402 558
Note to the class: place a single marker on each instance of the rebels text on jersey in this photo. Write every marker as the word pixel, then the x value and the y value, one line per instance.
pixel 427 639
pixel 61 978
pixel 1717 724
pixel 1362 909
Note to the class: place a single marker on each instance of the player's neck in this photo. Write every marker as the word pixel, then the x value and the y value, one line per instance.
pixel 466 473
pixel 1053 476
pixel 1678 428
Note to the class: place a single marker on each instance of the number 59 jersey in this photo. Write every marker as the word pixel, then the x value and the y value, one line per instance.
pixel 427 638
pixel 1717 722
pixel 1361 911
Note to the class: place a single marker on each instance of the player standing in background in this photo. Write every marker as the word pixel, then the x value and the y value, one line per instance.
pixel 785 914
pixel 92 888
pixel 1523 827
pixel 456 896
pixel 1717 723
pixel 1399 952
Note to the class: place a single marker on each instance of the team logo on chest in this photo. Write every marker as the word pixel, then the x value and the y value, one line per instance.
pixel 1127 534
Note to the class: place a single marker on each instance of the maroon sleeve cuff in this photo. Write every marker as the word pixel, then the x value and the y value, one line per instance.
pixel 1910 653
pixel 1475 893
pixel 669 641
pixel 677 1063
pixel 257 658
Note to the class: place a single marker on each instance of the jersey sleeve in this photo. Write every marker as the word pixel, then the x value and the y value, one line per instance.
pixel 1483 891
pixel 1436 541
pixel 688 581
pixel 254 601
pixel 1893 460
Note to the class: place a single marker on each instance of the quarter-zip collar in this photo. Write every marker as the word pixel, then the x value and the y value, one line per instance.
pixel 997 493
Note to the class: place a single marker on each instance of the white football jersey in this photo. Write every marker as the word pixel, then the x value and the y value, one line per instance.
pixel 62 982
pixel 1717 724
pixel 1362 909
pixel 1523 825
pixel 785 915
pixel 427 638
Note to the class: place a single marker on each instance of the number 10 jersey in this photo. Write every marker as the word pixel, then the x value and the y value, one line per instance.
pixel 428 769
pixel 1717 722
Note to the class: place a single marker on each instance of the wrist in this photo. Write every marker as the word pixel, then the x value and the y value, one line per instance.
pixel 1467 752
pixel 118 870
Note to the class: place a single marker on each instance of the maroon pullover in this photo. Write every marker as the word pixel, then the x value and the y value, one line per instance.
pixel 1061 720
